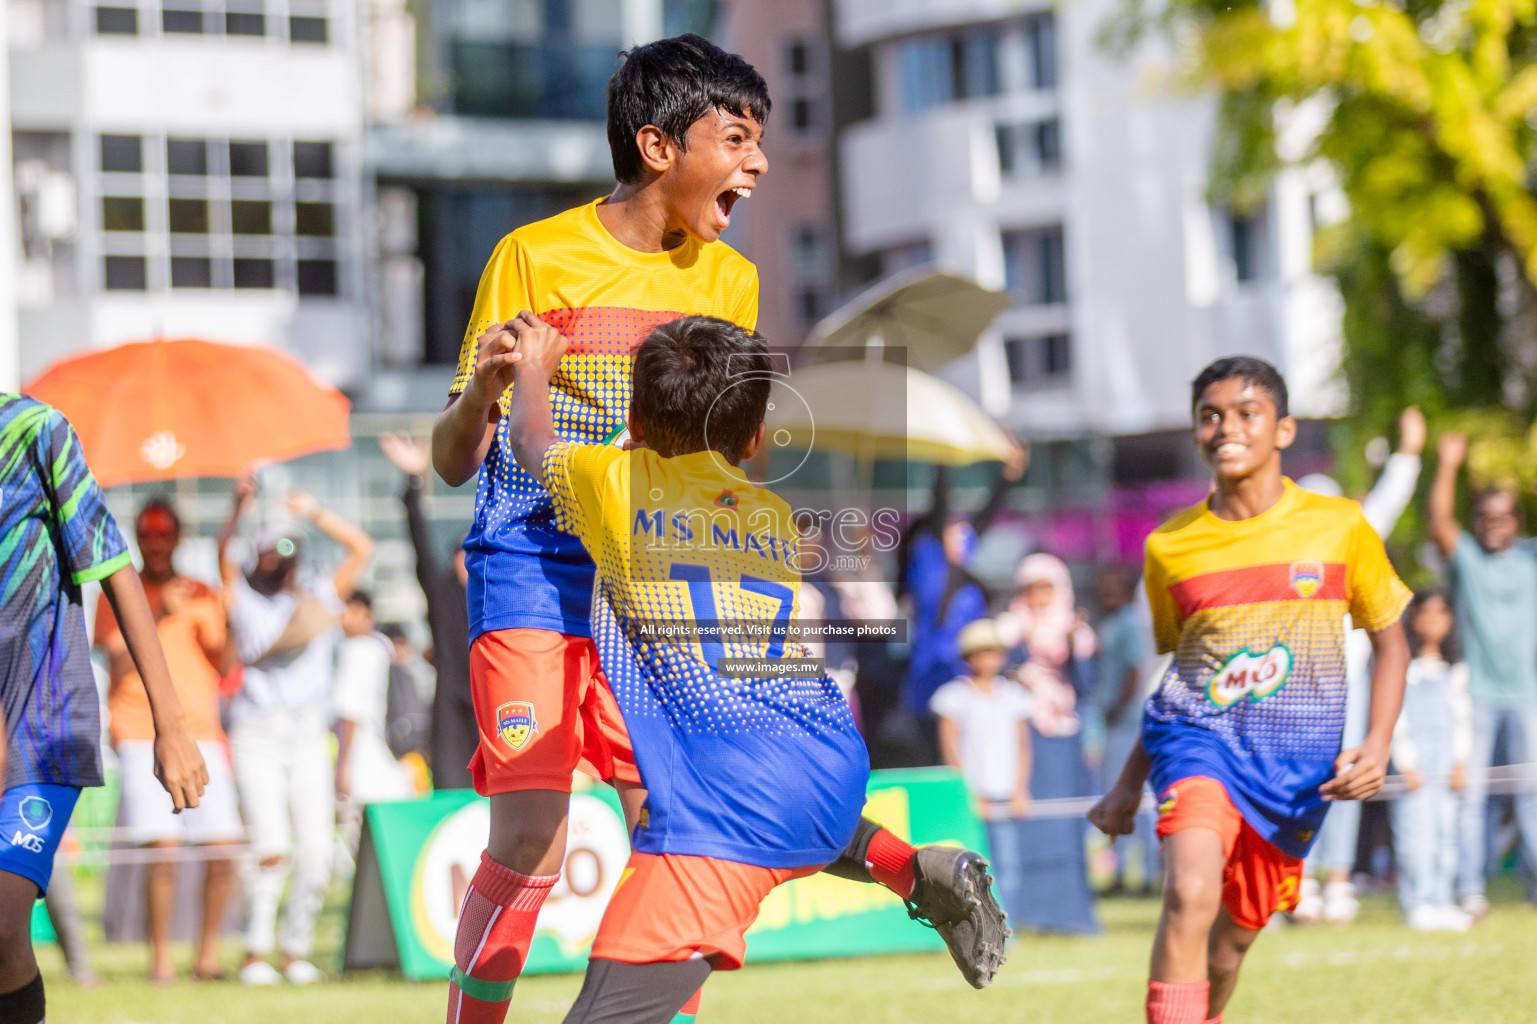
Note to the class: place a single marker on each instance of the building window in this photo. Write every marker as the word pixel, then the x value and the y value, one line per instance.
pixel 1029 149
pixel 1034 268
pixel 122 213
pixel 810 272
pixel 248 159
pixel 117 21
pixel 1041 360
pixel 904 257
pixel 308 30
pixel 183 22
pixel 943 68
pixel 186 156
pixel 317 277
pixel 312 160
pixel 245 23
pixel 191 272
pixel 805 85
pixel 125 274
pixel 122 154
pixel 1041 42
pixel 1248 241
pixel 237 213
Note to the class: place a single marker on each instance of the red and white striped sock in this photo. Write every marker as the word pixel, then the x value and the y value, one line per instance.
pixel 1169 1003
pixel 496 927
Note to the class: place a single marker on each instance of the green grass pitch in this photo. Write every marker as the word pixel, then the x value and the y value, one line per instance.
pixel 1374 971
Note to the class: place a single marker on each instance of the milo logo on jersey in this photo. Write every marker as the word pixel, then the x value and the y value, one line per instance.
pixel 1247 674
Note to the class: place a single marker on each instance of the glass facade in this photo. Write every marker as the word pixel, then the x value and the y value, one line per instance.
pixel 547 58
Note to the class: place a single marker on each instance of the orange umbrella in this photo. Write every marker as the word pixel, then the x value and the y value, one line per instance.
pixel 158 410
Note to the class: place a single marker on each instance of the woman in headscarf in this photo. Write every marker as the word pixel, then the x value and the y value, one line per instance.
pixel 935 556
pixel 1058 646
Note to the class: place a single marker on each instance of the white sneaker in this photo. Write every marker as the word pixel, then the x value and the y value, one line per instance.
pixel 1454 918
pixel 1426 919
pixel 1310 904
pixel 302 972
pixel 1340 903
pixel 260 972
pixel 1475 905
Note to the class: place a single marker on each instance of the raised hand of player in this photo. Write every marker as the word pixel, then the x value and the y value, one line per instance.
pixel 1358 775
pixel 540 346
pixel 1116 812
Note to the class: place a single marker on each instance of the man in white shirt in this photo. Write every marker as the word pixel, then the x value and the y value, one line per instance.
pixel 284 633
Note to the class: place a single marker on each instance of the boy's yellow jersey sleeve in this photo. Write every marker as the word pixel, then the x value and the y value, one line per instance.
pixel 506 288
pixel 583 481
pixel 1377 596
pixel 1165 614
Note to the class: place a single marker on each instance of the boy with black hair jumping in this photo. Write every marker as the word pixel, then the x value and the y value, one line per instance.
pixel 1242 737
pixel 685 126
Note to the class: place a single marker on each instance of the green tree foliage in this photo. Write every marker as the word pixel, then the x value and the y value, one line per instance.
pixel 1426 111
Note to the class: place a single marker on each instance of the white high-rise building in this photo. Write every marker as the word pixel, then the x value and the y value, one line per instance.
pixel 1008 144
pixel 190 168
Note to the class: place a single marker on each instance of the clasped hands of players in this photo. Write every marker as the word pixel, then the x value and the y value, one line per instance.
pixel 525 341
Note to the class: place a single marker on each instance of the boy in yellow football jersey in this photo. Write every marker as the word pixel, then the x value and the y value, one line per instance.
pixel 685 124
pixel 1242 737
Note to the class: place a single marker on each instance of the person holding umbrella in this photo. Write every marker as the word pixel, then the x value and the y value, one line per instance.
pixel 284 632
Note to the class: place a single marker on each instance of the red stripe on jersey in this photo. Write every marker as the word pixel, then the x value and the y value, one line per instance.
pixel 1257 584
pixel 605 330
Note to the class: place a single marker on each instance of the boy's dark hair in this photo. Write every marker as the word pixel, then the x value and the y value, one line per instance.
pixel 670 84
pixel 1248 369
pixel 700 383
pixel 1451 647
pixel 363 598
pixel 159 503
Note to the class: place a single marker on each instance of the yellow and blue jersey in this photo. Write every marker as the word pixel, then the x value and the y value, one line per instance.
pixel 1253 611
pixel 605 298
pixel 697 566
pixel 55 535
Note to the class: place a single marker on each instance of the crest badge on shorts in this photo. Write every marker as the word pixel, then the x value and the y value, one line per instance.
pixel 515 723
pixel 1307 577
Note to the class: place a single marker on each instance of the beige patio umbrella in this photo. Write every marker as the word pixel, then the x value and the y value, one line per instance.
pixel 877 410
pixel 934 314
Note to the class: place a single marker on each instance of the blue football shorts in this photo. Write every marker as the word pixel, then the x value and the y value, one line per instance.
pixel 33 818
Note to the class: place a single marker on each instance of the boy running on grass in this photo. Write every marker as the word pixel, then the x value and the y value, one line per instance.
pixel 751 781
pixel 55 535
pixel 685 123
pixel 1242 738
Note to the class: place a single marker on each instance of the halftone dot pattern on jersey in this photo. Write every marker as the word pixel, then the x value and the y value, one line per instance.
pixel 1303 718
pixel 767 770
pixel 1277 588
pixel 669 678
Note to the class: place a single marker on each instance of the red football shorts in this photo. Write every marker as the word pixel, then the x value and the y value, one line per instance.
pixel 671 907
pixel 544 710
pixel 1259 879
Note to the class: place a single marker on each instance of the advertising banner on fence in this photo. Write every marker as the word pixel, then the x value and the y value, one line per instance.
pixel 418 857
